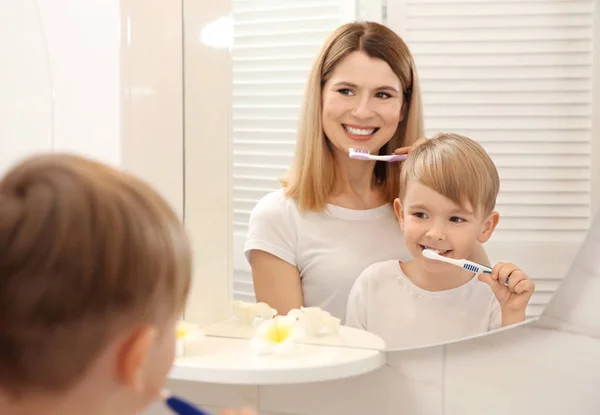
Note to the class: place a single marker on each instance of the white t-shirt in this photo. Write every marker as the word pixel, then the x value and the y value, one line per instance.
pixel 330 249
pixel 384 301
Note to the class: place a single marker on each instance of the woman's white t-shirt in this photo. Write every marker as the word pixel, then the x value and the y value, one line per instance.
pixel 330 248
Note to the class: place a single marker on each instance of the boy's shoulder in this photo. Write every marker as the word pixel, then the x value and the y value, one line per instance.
pixel 379 273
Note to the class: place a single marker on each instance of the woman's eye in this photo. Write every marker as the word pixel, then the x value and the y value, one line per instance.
pixel 456 219
pixel 345 91
pixel 383 95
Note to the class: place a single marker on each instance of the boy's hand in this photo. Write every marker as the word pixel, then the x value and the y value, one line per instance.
pixel 515 296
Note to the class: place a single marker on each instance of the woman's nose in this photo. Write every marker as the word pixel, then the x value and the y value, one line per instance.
pixel 363 109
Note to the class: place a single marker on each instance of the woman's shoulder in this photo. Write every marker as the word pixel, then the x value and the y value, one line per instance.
pixel 275 204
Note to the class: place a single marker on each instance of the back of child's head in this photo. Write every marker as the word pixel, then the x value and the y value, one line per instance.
pixel 86 252
pixel 456 167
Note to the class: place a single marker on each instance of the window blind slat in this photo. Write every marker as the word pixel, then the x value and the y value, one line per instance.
pixel 420 48
pixel 507 9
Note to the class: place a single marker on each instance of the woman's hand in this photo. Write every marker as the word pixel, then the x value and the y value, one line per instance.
pixel 407 150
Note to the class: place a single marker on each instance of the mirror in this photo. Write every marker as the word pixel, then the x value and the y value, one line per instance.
pixel 505 81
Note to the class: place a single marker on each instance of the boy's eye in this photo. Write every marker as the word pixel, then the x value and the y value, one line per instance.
pixel 456 219
pixel 345 91
pixel 420 215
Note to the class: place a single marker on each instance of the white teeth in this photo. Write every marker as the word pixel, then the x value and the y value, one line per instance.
pixel 438 251
pixel 359 131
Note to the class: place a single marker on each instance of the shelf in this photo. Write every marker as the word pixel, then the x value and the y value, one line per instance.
pixel 229 360
pixel 347 336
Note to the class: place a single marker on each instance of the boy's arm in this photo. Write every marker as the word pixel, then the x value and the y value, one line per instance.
pixel 502 318
pixel 511 317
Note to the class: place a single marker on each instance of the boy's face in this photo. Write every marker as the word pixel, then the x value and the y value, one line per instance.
pixel 146 359
pixel 161 357
pixel 431 220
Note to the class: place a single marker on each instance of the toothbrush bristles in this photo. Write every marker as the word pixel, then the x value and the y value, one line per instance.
pixel 359 150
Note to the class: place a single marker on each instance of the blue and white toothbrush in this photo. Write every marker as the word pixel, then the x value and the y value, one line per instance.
pixel 463 263
pixel 181 406
pixel 360 154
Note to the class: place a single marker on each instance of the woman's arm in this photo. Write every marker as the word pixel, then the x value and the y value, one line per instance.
pixel 276 282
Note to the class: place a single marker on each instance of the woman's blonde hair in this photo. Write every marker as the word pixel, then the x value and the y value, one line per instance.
pixel 312 176
pixel 456 167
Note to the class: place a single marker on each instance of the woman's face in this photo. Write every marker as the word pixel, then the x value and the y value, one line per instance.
pixel 362 104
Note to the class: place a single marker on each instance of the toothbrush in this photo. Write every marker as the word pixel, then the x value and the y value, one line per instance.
pixel 360 154
pixel 180 406
pixel 463 263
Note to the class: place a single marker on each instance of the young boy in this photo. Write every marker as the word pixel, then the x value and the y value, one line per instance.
pixel 446 203
pixel 94 272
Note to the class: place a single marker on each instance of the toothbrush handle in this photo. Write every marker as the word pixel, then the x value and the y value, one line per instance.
pixel 182 407
pixel 396 157
pixel 477 268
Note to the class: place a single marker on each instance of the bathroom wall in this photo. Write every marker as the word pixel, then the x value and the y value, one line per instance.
pixel 60 78
pixel 76 76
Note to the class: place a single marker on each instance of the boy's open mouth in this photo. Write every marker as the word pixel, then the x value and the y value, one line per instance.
pixel 442 252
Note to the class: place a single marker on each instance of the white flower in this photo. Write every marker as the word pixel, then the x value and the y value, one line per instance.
pixel 315 321
pixel 188 331
pixel 276 336
pixel 252 314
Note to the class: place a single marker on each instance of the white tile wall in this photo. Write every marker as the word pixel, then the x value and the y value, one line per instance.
pixel 60 79
pixel 526 370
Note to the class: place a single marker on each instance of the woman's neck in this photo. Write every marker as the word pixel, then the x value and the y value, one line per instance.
pixel 355 187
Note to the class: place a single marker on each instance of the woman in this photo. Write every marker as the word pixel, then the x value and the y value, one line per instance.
pixel 308 242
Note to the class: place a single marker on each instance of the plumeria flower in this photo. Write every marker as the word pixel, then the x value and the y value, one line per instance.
pixel 188 331
pixel 185 332
pixel 276 336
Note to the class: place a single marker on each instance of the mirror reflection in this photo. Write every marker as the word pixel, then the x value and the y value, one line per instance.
pixel 327 238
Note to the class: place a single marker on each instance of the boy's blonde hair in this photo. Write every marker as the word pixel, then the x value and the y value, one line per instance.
pixel 86 252
pixel 456 167
pixel 312 176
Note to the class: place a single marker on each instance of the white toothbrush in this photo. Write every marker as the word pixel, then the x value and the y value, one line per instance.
pixel 360 154
pixel 463 263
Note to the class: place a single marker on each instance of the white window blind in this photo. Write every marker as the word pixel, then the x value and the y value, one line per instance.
pixel 274 46
pixel 516 76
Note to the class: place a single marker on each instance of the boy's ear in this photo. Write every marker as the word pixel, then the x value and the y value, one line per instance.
pixel 133 355
pixel 488 227
pixel 399 213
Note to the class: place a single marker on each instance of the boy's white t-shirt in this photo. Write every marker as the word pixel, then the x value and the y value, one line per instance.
pixel 330 249
pixel 384 301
